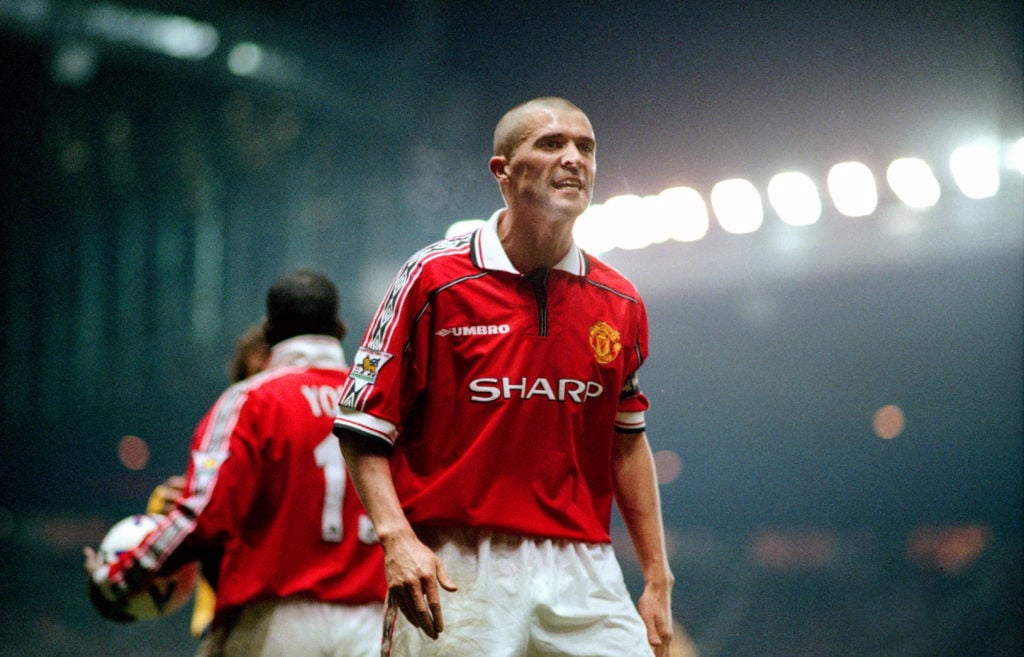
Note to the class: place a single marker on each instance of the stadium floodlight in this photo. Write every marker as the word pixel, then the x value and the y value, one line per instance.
pixel 913 182
pixel 593 231
pixel 852 188
pixel 975 169
pixel 167 34
pixel 686 212
pixel 463 226
pixel 631 221
pixel 1017 155
pixel 245 58
pixel 794 196
pixel 737 206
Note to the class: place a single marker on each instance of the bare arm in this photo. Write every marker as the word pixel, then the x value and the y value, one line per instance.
pixel 636 492
pixel 412 570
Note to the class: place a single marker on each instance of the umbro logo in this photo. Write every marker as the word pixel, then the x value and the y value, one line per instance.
pixel 486 329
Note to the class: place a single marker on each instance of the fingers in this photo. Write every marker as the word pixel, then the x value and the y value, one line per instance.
pixel 660 637
pixel 411 603
pixel 92 560
pixel 416 606
pixel 420 601
pixel 444 580
pixel 174 486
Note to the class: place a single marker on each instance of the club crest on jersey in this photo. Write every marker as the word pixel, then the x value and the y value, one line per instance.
pixel 368 363
pixel 604 340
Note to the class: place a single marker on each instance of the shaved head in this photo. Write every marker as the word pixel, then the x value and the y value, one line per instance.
pixel 512 129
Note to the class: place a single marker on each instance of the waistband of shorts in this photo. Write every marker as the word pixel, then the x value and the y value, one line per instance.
pixel 433 535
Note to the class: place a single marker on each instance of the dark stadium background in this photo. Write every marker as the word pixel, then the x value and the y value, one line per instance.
pixel 147 200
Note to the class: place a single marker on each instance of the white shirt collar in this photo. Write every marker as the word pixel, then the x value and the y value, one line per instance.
pixel 489 254
pixel 320 351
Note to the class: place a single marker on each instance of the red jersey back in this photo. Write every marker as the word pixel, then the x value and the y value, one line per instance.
pixel 267 482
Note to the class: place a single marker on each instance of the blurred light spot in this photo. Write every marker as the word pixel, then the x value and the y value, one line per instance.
pixel 1017 155
pixel 118 129
pixel 74 64
pixel 249 59
pixel 75 156
pixel 630 220
pixel 133 452
pixel 462 227
pixel 889 422
pixel 657 219
pixel 593 231
pixel 737 205
pixel 789 550
pixel 28 11
pixel 852 188
pixel 6 523
pixel 167 34
pixel 245 58
pixel 794 196
pixel 66 533
pixel 975 169
pixel 686 211
pixel 913 182
pixel 950 549
pixel 668 465
pixel 185 38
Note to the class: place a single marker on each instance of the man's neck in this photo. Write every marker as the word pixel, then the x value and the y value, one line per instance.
pixel 534 242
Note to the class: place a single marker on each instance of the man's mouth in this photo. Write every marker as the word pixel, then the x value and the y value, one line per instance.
pixel 569 183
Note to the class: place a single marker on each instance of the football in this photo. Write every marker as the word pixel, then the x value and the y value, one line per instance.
pixel 164 595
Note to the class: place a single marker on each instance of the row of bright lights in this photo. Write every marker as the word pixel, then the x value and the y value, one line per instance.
pixel 680 213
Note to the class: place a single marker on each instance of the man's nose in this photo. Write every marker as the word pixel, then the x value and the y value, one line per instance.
pixel 571 157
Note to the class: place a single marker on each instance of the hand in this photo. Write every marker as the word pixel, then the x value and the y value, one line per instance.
pixel 93 561
pixel 413 573
pixel 166 494
pixel 656 611
pixel 108 608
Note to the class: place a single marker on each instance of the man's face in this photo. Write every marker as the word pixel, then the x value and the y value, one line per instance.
pixel 552 170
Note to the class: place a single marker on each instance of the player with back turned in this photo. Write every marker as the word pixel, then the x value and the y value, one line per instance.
pixel 266 487
pixel 493 415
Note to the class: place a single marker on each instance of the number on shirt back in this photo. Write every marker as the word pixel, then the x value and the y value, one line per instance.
pixel 329 459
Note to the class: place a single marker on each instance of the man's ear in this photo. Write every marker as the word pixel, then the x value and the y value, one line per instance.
pixel 499 167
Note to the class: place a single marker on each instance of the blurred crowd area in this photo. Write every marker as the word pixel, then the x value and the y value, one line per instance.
pixel 926 591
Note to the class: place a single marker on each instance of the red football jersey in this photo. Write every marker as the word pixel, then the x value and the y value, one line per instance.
pixel 501 393
pixel 268 485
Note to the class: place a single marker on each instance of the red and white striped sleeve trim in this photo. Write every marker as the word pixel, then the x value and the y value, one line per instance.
pixel 366 424
pixel 630 422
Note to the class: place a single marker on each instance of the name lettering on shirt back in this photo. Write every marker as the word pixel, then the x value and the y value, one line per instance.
pixel 323 400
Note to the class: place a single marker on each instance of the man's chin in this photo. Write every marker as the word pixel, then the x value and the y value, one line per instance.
pixel 573 205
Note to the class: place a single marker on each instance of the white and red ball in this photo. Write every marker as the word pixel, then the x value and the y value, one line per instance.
pixel 165 594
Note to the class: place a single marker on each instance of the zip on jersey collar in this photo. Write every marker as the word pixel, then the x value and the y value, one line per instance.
pixel 487 253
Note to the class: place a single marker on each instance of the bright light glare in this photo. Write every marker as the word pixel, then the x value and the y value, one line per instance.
pixel 686 211
pixel 593 231
pixel 975 169
pixel 176 36
pixel 462 227
pixel 795 198
pixel 185 38
pixel 737 205
pixel 852 188
pixel 245 58
pixel 913 182
pixel 632 222
pixel 1017 155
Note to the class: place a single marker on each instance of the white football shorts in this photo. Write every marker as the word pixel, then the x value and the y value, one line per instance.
pixel 296 627
pixel 524 597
